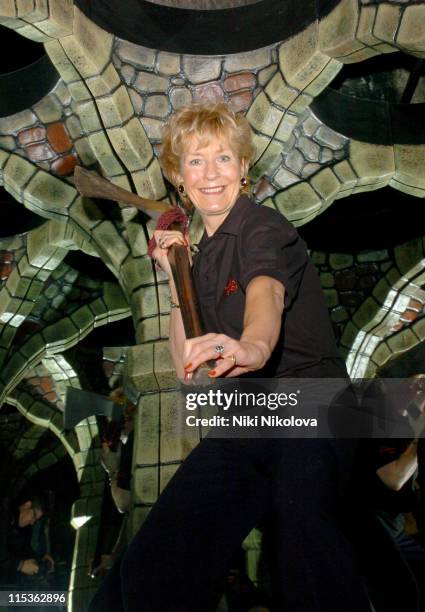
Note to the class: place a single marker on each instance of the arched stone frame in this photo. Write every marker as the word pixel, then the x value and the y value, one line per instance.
pixel 378 330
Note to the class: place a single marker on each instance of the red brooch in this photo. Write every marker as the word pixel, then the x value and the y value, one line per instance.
pixel 231 287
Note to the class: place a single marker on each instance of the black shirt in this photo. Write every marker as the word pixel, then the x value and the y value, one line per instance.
pixel 254 241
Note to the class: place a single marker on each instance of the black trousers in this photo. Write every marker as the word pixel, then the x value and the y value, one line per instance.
pixel 225 488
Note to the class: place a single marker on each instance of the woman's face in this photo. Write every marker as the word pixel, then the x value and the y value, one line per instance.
pixel 211 176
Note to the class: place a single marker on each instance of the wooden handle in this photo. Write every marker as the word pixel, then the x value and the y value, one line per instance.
pixel 189 307
pixel 188 301
pixel 92 185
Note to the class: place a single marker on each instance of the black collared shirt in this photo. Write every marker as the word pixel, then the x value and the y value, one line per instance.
pixel 255 241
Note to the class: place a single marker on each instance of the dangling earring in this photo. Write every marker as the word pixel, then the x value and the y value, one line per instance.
pixel 182 190
pixel 244 185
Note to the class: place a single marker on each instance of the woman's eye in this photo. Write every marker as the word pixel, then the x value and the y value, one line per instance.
pixel 224 158
pixel 194 162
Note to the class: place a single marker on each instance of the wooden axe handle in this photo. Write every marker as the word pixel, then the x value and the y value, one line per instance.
pixel 92 185
pixel 182 274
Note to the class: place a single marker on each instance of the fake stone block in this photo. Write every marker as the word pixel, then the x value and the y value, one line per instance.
pixel 265 74
pixel 8 9
pixel 345 174
pixel 164 369
pixel 157 106
pixel 250 60
pixel 411 34
pixel 147 430
pixel 365 26
pixel 279 92
pixel 16 174
pixel 419 329
pixel 145 486
pixel 136 55
pixel 41 413
pixel 147 330
pixel 331 297
pixel 139 368
pixel 410 165
pixel 270 157
pixel 132 276
pixel 104 154
pixel 89 47
pixel 338 30
pixel 262 116
pixel 103 84
pixel 57 336
pixel 61 61
pixel 150 183
pixel 85 214
pixel 180 96
pixel 326 184
pixel 176 439
pixel 115 109
pixel 298 201
pixel 242 80
pixel 366 313
pixel 79 92
pixel 371 161
pixel 381 354
pixel 87 113
pixel 29 31
pixel 4 156
pixel 131 145
pixel 339 261
pixel 144 302
pixel 139 247
pixel 168 63
pixel 48 194
pixel 402 341
pixel 58 21
pixel 165 475
pixel 115 301
pixel 152 127
pixel 409 257
pixel 146 82
pixel 83 319
pixel 200 69
pixel 303 65
pixel 7 142
pixel 387 21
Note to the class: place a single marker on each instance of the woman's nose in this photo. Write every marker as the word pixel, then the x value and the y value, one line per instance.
pixel 211 170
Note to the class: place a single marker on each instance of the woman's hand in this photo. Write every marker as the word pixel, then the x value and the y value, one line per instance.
pixel 164 240
pixel 232 357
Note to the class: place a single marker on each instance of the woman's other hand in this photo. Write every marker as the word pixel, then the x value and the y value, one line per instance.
pixel 232 357
pixel 164 240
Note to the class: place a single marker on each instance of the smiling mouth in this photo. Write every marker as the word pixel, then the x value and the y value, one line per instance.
pixel 212 190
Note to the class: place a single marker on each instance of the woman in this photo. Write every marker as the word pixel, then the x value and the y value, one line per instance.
pixel 263 309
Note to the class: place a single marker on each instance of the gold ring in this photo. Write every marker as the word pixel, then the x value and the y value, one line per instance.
pixel 233 358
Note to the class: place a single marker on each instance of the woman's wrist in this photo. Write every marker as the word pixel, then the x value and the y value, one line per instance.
pixel 261 348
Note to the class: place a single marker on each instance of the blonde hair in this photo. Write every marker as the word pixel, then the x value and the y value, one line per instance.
pixel 203 120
